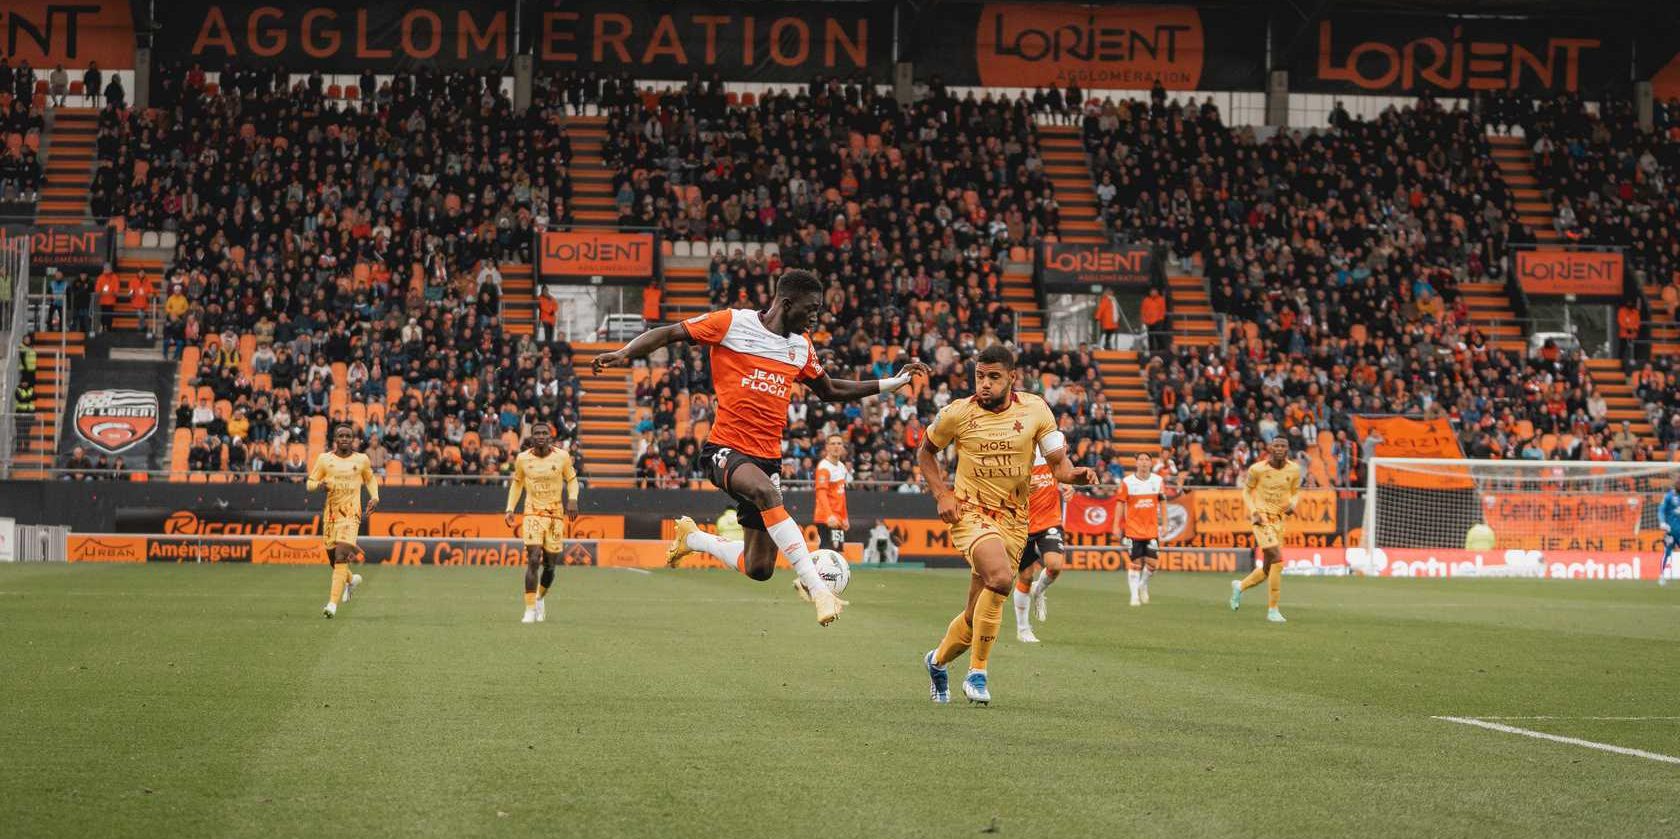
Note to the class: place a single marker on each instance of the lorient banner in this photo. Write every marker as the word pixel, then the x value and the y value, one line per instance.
pixel 1099 46
pixel 1072 268
pixel 1555 271
pixel 765 42
pixel 70 248
pixel 1451 56
pixel 335 35
pixel 597 257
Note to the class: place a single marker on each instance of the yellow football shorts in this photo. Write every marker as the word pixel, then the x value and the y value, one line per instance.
pixel 975 527
pixel 341 531
pixel 1269 535
pixel 548 531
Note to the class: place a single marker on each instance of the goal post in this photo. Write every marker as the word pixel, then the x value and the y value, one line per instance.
pixel 1535 518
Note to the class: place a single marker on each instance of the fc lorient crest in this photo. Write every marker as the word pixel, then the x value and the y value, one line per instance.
pixel 116 420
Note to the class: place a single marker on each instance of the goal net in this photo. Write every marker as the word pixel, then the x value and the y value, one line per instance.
pixel 1533 518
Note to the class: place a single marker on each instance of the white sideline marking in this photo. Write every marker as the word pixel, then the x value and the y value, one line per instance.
pixel 1590 719
pixel 635 570
pixel 1573 741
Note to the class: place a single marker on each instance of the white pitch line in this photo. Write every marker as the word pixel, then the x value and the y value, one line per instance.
pixel 1573 741
pixel 1589 719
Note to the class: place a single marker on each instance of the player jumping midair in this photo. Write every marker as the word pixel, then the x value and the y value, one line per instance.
pixel 757 359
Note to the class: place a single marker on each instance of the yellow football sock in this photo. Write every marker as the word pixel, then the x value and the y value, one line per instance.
pixel 530 600
pixel 957 638
pixel 341 578
pixel 542 591
pixel 1274 585
pixel 1254 578
pixel 988 618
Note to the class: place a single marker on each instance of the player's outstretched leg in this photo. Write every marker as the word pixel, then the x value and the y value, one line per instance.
pixel 770 529
pixel 545 582
pixel 689 538
pixel 533 573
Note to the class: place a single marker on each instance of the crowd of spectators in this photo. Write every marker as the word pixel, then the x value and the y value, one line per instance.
pixel 1337 259
pixel 358 238
pixel 20 130
pixel 349 246
pixel 1613 183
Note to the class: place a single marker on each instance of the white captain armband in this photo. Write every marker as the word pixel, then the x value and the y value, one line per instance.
pixel 1054 441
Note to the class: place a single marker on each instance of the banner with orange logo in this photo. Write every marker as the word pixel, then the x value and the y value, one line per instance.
pixel 1100 47
pixel 597 257
pixel 1353 52
pixel 1562 514
pixel 1556 272
pixel 46 34
pixel 481 525
pixel 1402 437
pixel 1221 511
pixel 1074 269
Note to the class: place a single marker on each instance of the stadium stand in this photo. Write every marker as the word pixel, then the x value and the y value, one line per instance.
pixel 311 231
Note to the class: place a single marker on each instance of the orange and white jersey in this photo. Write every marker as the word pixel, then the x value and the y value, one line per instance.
pixel 1142 499
pixel 1045 505
pixel 753 373
pixel 831 491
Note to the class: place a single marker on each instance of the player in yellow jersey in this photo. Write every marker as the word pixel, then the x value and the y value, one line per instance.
pixel 1271 489
pixel 550 483
pixel 996 433
pixel 343 472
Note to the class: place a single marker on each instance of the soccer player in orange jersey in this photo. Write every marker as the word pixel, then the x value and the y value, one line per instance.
pixel 832 477
pixel 757 359
pixel 1044 549
pixel 1139 526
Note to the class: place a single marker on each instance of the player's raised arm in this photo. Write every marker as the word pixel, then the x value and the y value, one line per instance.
pixel 516 485
pixel 317 474
pixel 847 390
pixel 644 345
pixel 370 481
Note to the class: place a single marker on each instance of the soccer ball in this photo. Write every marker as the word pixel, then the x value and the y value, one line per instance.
pixel 833 568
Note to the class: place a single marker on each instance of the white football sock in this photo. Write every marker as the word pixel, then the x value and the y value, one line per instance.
pixel 1041 582
pixel 1143 577
pixel 791 542
pixel 711 544
pixel 1022 601
pixel 1132 581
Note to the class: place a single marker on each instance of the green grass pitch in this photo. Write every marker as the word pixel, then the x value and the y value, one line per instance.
pixel 190 701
